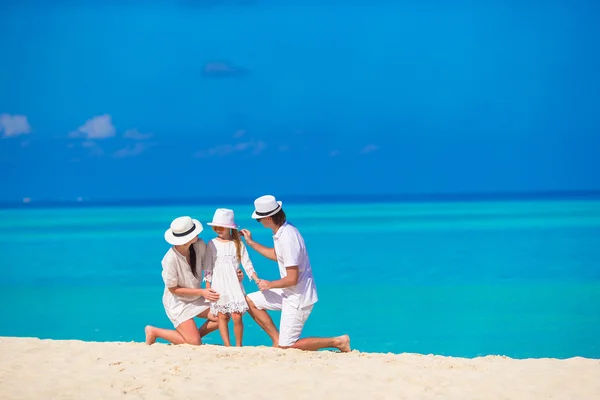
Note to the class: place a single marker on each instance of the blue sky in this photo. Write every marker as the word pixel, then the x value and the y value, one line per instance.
pixel 123 100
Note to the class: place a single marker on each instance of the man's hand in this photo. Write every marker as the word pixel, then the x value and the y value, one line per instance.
pixel 247 235
pixel 263 285
pixel 240 275
pixel 210 295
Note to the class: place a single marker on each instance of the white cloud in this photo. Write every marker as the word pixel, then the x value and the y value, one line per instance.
pixel 130 151
pixel 95 150
pixel 369 149
pixel 259 147
pixel 14 125
pixel 99 127
pixel 255 147
pixel 136 135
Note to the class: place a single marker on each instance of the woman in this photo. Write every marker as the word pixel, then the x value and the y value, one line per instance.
pixel 183 298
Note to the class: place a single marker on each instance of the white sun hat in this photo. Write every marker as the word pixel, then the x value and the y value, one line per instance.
pixel 223 217
pixel 265 206
pixel 182 230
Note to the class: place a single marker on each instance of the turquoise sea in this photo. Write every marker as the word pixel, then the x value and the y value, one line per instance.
pixel 517 278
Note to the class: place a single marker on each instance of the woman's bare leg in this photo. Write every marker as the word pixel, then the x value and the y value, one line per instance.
pixel 238 328
pixel 224 329
pixel 186 332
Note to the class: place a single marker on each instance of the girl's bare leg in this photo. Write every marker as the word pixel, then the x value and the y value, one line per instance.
pixel 186 332
pixel 224 329
pixel 238 328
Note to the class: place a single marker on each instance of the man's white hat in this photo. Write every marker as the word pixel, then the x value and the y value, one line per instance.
pixel 223 217
pixel 265 206
pixel 182 230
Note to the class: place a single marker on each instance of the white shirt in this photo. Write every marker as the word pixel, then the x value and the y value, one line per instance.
pixel 177 272
pixel 291 252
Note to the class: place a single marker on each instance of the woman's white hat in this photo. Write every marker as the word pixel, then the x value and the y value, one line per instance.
pixel 223 217
pixel 182 230
pixel 265 206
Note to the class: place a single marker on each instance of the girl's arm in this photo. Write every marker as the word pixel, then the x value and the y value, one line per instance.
pixel 208 265
pixel 207 278
pixel 247 264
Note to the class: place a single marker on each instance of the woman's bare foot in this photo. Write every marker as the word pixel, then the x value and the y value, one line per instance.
pixel 343 343
pixel 150 336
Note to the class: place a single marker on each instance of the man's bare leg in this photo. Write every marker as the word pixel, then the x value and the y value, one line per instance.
pixel 263 319
pixel 342 343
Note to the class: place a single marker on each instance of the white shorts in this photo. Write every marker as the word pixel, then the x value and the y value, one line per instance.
pixel 292 318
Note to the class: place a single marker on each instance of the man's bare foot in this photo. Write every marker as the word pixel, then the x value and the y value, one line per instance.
pixel 150 336
pixel 343 343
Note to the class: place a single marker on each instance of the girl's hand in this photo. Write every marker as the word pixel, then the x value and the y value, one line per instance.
pixel 210 294
pixel 240 275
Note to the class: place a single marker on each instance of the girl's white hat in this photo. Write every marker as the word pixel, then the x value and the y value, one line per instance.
pixel 265 206
pixel 182 230
pixel 223 217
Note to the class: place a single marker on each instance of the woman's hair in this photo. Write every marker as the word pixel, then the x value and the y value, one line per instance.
pixel 193 260
pixel 238 243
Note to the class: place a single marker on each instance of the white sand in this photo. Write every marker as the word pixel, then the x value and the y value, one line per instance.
pixel 48 369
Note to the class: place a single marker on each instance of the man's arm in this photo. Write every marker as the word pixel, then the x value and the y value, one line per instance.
pixel 264 251
pixel 290 280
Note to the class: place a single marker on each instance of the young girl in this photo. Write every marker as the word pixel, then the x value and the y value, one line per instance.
pixel 223 257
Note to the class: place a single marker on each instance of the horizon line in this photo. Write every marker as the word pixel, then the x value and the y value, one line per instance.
pixel 312 199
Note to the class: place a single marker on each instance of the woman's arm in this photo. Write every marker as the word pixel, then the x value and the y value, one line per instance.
pixel 171 279
pixel 208 293
pixel 264 251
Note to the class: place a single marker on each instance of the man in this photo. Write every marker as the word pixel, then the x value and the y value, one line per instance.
pixel 295 293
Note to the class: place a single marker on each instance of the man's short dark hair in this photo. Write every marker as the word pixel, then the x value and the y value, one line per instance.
pixel 278 218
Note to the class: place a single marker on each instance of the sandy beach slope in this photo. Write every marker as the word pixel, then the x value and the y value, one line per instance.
pixel 49 369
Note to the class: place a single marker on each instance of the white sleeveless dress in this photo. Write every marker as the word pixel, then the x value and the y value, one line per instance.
pixel 220 269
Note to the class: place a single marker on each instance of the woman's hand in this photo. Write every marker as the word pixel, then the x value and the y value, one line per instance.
pixel 247 235
pixel 240 275
pixel 210 294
